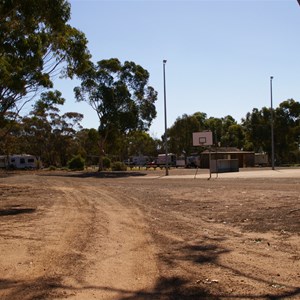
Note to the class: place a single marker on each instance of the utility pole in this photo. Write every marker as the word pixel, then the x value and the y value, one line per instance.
pixel 165 106
pixel 272 124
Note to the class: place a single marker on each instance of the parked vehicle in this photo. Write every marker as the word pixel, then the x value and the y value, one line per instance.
pixel 139 161
pixel 193 161
pixel 19 161
pixel 173 161
pixel 161 159
pixel 261 159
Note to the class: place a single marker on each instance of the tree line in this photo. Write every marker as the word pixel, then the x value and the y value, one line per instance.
pixel 56 137
pixel 253 133
pixel 37 44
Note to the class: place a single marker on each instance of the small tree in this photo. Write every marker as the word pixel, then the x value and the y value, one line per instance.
pixel 76 163
pixel 118 166
pixel 106 163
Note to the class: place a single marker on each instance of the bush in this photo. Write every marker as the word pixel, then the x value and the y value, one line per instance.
pixel 76 163
pixel 118 166
pixel 106 163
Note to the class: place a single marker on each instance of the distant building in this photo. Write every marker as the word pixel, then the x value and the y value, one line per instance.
pixel 245 158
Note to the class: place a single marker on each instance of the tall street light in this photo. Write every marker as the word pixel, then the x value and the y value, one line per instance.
pixel 272 122
pixel 165 106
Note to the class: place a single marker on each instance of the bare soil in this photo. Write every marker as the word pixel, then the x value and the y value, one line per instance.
pixel 129 236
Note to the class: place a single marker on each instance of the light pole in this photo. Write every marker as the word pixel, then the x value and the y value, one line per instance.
pixel 272 122
pixel 165 106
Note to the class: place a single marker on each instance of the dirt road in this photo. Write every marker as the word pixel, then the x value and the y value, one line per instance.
pixel 84 236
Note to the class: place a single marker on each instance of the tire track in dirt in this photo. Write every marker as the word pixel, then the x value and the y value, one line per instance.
pixel 203 250
pixel 122 257
pixel 82 243
pixel 51 248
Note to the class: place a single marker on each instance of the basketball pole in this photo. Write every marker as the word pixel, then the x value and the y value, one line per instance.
pixel 204 138
pixel 209 151
pixel 165 107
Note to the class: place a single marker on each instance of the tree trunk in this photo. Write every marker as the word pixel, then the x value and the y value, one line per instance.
pixel 101 154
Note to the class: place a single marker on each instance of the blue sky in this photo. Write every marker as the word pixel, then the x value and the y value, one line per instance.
pixel 220 54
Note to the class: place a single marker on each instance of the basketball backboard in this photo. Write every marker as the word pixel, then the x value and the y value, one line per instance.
pixel 202 138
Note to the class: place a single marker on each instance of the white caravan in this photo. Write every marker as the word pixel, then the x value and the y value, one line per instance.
pixel 19 161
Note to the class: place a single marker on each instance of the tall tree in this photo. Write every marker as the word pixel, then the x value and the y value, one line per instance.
pixel 257 128
pixel 232 134
pixel 181 133
pixel 48 134
pixel 35 43
pixel 215 125
pixel 141 143
pixel 88 145
pixel 287 131
pixel 121 97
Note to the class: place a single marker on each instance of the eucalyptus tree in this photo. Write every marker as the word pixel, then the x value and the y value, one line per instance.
pixel 287 131
pixel 257 128
pixel 47 133
pixel 36 43
pixel 141 143
pixel 87 140
pixel 215 125
pixel 181 133
pixel 121 97
pixel 232 133
pixel 235 136
pixel 286 118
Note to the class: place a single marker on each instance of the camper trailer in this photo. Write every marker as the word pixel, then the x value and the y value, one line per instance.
pixel 19 161
pixel 3 161
pixel 173 161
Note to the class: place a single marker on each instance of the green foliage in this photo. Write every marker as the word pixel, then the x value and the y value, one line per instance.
pixel 226 132
pixel 118 166
pixel 286 121
pixel 35 41
pixel 180 134
pixel 45 132
pixel 121 97
pixel 119 94
pixel 76 163
pixel 139 142
pixel 257 129
pixel 106 162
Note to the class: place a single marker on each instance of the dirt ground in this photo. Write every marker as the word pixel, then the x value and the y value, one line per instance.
pixel 137 235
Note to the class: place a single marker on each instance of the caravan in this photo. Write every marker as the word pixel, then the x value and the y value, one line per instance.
pixel 19 161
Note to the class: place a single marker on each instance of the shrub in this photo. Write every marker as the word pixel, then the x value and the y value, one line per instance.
pixel 106 163
pixel 76 163
pixel 118 166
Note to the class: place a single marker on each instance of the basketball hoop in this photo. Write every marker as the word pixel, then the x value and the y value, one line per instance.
pixel 202 139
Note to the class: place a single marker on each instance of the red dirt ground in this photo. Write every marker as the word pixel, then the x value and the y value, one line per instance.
pixel 137 235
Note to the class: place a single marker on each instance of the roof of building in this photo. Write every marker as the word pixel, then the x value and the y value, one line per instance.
pixel 226 150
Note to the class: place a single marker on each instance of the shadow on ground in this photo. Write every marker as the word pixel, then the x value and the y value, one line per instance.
pixel 104 174
pixel 173 288
pixel 16 211
pixel 166 287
